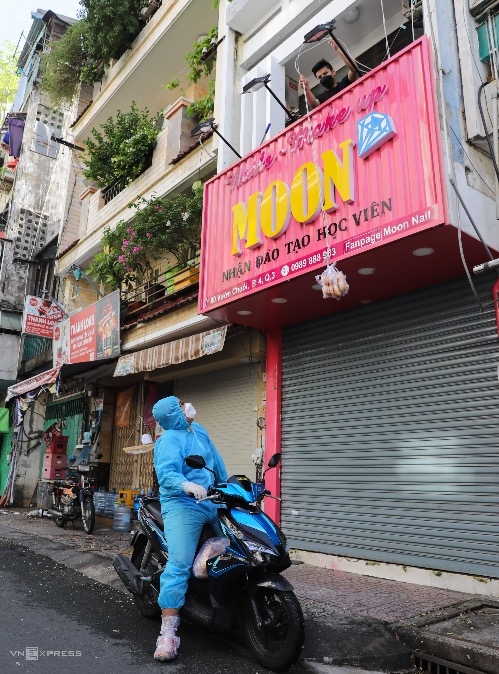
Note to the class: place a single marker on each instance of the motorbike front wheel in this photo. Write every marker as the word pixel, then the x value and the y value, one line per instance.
pixel 278 642
pixel 88 514
pixel 146 603
pixel 60 522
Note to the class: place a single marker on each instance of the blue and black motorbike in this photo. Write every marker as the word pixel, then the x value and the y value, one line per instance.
pixel 244 590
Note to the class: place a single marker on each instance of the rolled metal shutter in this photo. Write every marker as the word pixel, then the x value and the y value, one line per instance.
pixel 225 403
pixel 390 432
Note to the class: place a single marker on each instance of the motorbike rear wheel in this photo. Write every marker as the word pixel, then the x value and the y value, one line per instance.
pixel 278 643
pixel 146 604
pixel 88 514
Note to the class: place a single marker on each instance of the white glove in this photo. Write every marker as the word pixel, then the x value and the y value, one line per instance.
pixel 197 490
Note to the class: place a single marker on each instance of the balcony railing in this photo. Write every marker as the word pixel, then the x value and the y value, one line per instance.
pixel 35 346
pixel 165 286
pixel 111 191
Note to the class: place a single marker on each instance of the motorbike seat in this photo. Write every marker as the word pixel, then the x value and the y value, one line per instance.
pixel 154 508
pixel 63 483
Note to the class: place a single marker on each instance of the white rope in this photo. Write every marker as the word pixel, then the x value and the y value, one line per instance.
pixel 314 149
pixel 384 26
pixel 211 156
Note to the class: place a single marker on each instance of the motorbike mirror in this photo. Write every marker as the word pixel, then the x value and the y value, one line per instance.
pixel 98 456
pixel 195 461
pixel 274 460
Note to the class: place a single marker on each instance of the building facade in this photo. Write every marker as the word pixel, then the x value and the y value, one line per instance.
pixel 383 402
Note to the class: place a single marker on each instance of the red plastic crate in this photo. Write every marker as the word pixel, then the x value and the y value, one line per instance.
pixel 55 461
pixel 58 445
pixel 53 473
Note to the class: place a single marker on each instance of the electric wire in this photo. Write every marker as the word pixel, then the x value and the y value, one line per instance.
pixel 463 259
pixel 450 167
pixel 211 156
pixel 489 143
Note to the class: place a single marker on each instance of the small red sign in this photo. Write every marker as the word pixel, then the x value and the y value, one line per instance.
pixel 40 316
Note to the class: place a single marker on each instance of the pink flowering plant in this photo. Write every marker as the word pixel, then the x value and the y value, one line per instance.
pixel 161 225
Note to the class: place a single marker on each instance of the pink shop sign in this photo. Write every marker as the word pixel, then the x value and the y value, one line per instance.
pixel 362 170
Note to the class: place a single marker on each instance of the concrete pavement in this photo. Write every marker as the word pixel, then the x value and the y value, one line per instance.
pixel 351 620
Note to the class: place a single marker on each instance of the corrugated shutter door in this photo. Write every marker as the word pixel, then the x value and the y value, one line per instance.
pixel 391 432
pixel 225 403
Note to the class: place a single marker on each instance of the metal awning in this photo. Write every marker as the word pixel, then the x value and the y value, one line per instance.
pixel 172 353
pixel 44 379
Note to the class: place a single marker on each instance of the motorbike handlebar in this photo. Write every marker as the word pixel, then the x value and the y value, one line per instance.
pixel 207 498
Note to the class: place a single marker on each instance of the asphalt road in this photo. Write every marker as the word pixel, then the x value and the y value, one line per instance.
pixel 54 619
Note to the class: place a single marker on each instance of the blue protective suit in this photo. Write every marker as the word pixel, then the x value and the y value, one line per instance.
pixel 183 517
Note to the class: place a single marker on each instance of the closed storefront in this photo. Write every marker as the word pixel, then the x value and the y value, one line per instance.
pixel 390 427
pixel 225 403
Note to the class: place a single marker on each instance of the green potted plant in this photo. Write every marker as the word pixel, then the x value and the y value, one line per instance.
pixel 61 66
pixel 197 67
pixel 112 26
pixel 161 225
pixel 122 150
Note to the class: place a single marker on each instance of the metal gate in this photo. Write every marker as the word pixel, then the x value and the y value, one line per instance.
pixel 390 432
pixel 130 471
pixel 71 411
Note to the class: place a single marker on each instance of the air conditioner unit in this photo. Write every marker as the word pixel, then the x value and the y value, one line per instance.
pixel 412 9
pixel 476 131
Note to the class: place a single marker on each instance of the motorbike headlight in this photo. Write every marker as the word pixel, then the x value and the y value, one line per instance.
pixel 253 546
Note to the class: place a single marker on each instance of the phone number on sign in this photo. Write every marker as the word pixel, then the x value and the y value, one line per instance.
pixel 289 269
pixel 271 276
pixel 309 261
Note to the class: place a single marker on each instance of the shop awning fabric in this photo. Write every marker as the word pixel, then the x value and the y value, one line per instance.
pixel 172 353
pixel 44 379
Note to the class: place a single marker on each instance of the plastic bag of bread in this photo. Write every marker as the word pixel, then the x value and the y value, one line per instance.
pixel 333 282
pixel 211 548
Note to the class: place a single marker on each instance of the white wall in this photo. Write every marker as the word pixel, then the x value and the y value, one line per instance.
pixel 9 347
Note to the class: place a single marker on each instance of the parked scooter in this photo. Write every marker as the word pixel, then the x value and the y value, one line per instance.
pixel 244 590
pixel 73 498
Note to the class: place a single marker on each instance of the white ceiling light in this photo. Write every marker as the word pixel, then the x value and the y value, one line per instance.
pixel 316 286
pixel 244 312
pixel 351 15
pixel 279 300
pixel 366 271
pixel 422 252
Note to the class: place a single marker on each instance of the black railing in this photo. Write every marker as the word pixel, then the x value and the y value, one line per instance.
pixel 112 191
pixel 168 284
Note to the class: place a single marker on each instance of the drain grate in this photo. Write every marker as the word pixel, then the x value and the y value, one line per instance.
pixel 427 664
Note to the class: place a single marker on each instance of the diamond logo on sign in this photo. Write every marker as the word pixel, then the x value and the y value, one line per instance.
pixel 373 131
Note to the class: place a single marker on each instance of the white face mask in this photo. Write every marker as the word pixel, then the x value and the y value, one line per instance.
pixel 189 411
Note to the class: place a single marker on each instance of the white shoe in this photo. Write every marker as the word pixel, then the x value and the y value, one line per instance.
pixel 166 647
pixel 168 642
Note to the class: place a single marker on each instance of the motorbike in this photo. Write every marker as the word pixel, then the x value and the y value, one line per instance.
pixel 73 498
pixel 244 591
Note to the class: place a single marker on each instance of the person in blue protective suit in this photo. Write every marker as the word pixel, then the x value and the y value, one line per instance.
pixel 180 490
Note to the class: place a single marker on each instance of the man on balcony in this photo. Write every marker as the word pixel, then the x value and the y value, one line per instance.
pixel 325 73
